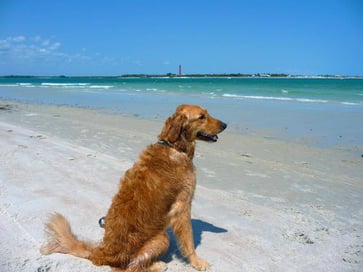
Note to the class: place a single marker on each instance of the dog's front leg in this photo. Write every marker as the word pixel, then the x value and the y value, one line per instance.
pixel 182 228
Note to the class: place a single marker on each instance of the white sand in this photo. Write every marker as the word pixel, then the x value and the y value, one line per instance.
pixel 260 205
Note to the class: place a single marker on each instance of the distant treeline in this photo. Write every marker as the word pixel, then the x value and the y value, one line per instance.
pixel 172 75
pixel 207 75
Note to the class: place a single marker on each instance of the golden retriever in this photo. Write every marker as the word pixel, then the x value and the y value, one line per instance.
pixel 154 194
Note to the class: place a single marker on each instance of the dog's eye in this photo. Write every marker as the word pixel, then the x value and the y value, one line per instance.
pixel 202 117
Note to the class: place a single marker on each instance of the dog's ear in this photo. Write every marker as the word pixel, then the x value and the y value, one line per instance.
pixel 173 127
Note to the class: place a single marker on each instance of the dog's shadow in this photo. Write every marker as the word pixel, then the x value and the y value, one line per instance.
pixel 199 227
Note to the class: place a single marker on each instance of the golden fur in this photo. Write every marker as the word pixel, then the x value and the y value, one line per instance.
pixel 156 193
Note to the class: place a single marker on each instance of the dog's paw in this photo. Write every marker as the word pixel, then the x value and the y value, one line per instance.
pixel 200 264
pixel 158 267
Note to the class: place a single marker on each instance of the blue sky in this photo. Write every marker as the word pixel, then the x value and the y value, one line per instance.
pixel 71 37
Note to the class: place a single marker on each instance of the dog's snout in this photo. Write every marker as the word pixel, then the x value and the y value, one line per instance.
pixel 223 126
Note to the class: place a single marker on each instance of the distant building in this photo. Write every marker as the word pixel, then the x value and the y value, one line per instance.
pixel 180 70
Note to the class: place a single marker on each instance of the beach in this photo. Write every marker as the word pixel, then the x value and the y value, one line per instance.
pixel 261 203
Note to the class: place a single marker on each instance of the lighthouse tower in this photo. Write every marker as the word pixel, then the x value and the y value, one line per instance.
pixel 180 70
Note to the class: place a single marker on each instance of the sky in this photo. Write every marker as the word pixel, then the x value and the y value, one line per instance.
pixel 116 37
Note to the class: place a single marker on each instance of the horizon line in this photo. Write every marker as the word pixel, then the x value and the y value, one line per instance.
pixel 174 75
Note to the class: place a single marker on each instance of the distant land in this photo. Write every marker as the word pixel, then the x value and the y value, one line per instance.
pixel 171 75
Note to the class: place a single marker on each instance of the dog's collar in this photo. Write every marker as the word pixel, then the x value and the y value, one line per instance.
pixel 190 153
pixel 163 142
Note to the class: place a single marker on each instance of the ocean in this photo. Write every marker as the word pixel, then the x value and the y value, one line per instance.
pixel 319 111
pixel 310 90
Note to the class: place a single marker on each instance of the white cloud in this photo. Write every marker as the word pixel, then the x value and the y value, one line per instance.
pixel 18 48
pixel 4 44
pixel 54 46
pixel 18 39
pixel 45 43
pixel 40 53
pixel 36 38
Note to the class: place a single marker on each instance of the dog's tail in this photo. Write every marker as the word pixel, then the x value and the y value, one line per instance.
pixel 62 240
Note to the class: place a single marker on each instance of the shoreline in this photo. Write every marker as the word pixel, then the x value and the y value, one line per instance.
pixel 324 126
pixel 260 204
pixel 72 123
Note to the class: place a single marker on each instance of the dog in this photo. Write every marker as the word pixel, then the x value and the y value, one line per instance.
pixel 155 193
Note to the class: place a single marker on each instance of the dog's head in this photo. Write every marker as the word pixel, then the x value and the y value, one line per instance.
pixel 190 123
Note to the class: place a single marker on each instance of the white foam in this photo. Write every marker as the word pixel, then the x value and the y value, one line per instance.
pixel 258 97
pixel 351 103
pixel 64 84
pixel 232 95
pixel 100 87
pixel 269 97
pixel 312 100
pixel 26 85
pixel 278 98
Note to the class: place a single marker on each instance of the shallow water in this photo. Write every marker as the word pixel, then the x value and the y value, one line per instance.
pixel 323 112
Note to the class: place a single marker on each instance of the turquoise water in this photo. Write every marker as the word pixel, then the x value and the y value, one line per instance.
pixel 317 111
pixel 312 90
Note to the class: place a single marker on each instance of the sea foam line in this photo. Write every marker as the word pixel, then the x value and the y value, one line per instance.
pixel 27 85
pixel 351 103
pixel 100 87
pixel 65 84
pixel 275 98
